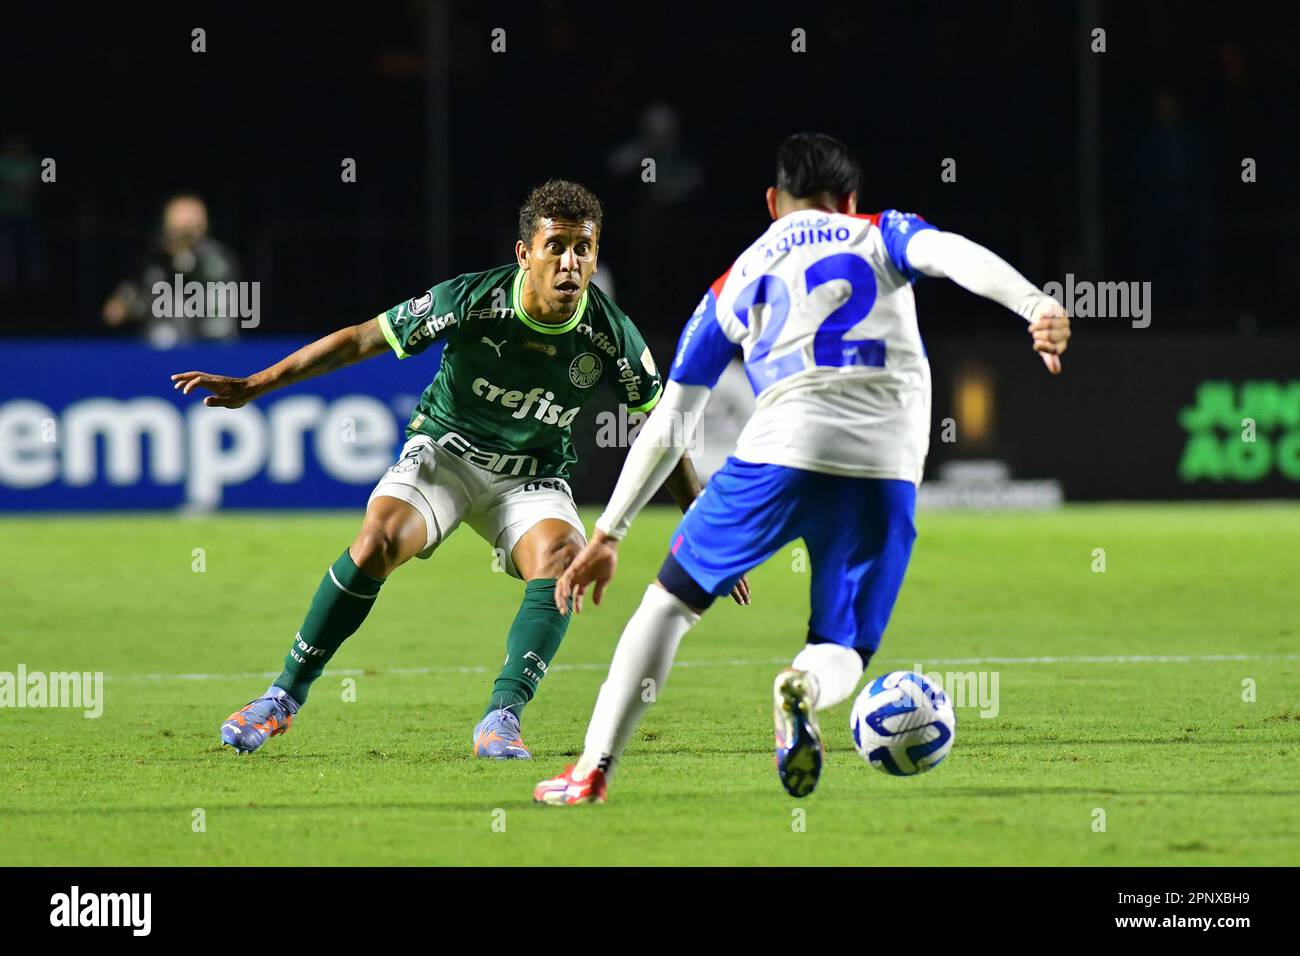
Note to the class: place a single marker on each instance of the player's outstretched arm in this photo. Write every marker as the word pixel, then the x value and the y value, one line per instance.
pixel 335 350
pixel 979 270
pixel 658 449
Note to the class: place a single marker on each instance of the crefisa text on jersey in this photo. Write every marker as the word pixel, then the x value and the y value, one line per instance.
pixel 598 339
pixel 630 379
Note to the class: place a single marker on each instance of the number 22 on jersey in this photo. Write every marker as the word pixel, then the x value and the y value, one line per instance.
pixel 830 348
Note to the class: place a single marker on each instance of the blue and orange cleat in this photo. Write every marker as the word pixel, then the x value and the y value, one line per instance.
pixel 250 726
pixel 567 791
pixel 798 741
pixel 497 737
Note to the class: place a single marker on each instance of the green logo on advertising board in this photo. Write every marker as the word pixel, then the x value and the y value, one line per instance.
pixel 1242 432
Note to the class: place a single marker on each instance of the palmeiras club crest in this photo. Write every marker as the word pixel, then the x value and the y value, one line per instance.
pixel 584 370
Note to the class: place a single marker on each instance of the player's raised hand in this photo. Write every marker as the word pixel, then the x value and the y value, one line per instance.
pixel 227 392
pixel 1050 328
pixel 595 564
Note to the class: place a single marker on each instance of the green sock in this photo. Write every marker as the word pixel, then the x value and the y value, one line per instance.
pixel 534 638
pixel 344 598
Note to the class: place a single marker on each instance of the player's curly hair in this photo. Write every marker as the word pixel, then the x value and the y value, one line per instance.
pixel 558 199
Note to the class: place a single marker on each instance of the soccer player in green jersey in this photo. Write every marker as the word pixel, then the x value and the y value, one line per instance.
pixel 526 345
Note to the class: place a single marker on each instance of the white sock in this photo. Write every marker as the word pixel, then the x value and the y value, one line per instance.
pixel 835 671
pixel 644 652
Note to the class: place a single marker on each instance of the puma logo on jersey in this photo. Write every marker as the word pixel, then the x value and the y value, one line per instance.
pixel 495 347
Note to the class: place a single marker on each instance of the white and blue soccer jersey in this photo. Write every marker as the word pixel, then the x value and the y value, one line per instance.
pixel 822 311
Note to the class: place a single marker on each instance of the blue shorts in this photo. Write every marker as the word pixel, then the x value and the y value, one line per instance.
pixel 858 532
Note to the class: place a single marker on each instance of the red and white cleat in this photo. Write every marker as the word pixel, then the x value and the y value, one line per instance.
pixel 565 791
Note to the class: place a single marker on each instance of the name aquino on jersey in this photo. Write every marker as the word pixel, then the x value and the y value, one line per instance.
pixel 802 233
pixel 807 237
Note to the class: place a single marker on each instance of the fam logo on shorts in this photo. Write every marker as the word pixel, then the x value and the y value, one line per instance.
pixel 584 370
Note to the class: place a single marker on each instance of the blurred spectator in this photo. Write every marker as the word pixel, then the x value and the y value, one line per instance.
pixel 656 207
pixel 21 257
pixel 1175 205
pixel 183 249
pixel 659 137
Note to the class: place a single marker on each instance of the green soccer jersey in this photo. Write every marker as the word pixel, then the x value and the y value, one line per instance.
pixel 510 387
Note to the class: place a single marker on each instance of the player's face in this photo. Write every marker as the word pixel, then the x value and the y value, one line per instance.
pixel 560 263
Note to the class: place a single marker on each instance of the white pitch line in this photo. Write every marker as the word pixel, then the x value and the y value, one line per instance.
pixel 1113 659
pixel 422 671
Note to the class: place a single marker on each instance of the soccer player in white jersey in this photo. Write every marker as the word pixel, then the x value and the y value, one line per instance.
pixel 822 311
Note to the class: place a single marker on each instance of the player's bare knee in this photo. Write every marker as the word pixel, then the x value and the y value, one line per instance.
pixel 376 551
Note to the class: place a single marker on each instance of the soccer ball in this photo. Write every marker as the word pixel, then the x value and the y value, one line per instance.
pixel 903 723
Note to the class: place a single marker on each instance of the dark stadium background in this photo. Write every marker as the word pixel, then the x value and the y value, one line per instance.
pixel 1062 167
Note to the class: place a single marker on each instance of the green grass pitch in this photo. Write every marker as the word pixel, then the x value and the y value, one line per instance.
pixel 1125 691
